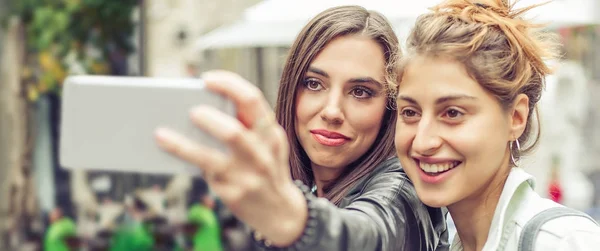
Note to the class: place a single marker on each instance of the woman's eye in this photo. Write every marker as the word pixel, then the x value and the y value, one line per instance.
pixel 362 92
pixel 312 85
pixel 453 113
pixel 409 113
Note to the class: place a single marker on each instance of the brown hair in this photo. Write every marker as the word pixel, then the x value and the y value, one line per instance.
pixel 330 24
pixel 502 51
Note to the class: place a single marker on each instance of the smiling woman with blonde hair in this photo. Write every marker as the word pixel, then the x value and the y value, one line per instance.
pixel 470 82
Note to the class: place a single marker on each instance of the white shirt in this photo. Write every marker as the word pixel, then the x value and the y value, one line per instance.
pixel 517 205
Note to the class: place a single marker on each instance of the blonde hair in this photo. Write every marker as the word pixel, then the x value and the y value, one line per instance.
pixel 501 50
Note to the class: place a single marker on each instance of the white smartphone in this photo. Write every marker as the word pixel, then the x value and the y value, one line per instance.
pixel 108 122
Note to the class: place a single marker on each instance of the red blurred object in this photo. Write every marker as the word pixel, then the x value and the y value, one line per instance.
pixel 554 188
pixel 555 191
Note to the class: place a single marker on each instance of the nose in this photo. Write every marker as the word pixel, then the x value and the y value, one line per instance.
pixel 333 112
pixel 427 140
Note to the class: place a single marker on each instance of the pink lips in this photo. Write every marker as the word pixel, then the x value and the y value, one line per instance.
pixel 329 138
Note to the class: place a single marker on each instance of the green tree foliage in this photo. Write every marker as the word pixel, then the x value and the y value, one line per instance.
pixel 71 37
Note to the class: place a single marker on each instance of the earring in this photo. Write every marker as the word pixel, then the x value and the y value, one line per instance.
pixel 512 157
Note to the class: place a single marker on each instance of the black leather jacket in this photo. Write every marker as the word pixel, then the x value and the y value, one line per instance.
pixel 382 212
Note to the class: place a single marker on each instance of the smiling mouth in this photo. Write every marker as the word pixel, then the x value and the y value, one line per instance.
pixel 437 168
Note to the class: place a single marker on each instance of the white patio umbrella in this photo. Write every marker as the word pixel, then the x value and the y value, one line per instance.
pixel 277 22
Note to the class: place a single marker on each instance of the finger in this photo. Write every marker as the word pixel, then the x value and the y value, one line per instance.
pixel 243 186
pixel 241 141
pixel 248 99
pixel 207 159
pixel 282 146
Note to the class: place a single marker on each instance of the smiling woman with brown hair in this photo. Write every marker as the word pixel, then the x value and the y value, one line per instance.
pixel 335 134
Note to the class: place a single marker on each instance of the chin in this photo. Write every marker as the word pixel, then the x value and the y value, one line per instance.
pixel 329 163
pixel 434 199
pixel 435 203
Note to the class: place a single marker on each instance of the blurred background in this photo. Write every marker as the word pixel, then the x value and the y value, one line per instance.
pixel 43 41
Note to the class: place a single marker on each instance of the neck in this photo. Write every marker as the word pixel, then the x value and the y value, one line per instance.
pixel 324 176
pixel 473 215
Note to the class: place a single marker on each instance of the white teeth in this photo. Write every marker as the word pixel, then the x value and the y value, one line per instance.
pixel 441 168
pixel 437 168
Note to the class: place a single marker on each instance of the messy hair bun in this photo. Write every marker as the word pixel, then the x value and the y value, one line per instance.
pixel 500 49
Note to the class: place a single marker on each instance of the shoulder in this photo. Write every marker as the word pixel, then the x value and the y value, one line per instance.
pixel 388 194
pixel 563 232
pixel 390 175
pixel 568 233
pixel 386 184
pixel 401 193
pixel 387 181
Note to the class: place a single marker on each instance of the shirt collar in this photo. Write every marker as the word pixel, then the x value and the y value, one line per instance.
pixel 516 178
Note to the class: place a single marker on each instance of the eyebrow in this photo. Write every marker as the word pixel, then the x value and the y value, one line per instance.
pixel 318 71
pixel 439 100
pixel 358 80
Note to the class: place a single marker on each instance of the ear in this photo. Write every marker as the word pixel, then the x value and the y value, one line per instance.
pixel 518 116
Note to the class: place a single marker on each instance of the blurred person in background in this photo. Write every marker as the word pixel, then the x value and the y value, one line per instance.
pixel 472 76
pixel 133 233
pixel 205 229
pixel 333 133
pixel 61 235
pixel 234 234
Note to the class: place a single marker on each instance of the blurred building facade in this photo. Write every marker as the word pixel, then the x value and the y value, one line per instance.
pixel 18 203
pixel 3 137
pixel 174 26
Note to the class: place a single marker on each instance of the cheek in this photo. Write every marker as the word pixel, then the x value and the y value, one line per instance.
pixel 479 140
pixel 403 138
pixel 303 108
